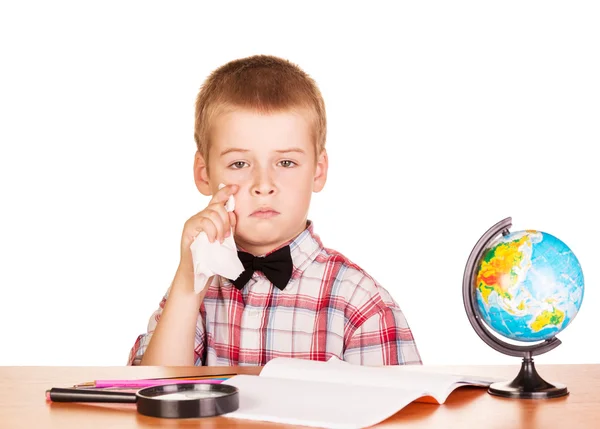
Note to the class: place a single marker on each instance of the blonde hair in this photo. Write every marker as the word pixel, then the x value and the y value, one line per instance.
pixel 262 83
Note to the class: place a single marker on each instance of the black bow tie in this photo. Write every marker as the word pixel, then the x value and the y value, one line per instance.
pixel 277 267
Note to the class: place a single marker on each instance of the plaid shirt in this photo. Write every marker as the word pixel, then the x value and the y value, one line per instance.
pixel 330 307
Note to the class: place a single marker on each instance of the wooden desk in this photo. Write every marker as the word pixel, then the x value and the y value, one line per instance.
pixel 23 403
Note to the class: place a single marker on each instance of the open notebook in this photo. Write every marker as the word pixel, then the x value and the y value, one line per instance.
pixel 337 394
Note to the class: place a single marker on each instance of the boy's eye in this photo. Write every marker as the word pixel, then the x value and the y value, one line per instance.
pixel 287 163
pixel 238 164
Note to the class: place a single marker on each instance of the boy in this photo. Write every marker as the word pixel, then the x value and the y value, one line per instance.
pixel 260 129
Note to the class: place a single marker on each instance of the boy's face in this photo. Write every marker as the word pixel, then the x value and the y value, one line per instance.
pixel 272 160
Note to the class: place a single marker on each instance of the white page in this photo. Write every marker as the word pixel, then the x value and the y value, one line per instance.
pixel 435 384
pixel 329 405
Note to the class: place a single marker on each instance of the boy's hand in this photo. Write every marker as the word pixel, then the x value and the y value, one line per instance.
pixel 214 220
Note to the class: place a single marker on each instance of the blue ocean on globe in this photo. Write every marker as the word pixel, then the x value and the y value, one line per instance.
pixel 529 286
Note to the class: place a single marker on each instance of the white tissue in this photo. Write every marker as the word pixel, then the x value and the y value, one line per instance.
pixel 215 258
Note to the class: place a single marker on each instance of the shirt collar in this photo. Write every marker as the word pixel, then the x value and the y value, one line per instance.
pixel 304 249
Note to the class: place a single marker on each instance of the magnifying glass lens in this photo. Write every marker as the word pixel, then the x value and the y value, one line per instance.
pixel 194 394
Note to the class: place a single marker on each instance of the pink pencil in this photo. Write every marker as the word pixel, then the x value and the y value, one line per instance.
pixel 134 384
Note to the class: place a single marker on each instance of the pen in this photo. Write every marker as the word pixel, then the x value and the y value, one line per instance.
pixel 134 384
pixel 173 379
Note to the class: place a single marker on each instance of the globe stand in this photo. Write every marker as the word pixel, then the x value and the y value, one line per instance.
pixel 527 384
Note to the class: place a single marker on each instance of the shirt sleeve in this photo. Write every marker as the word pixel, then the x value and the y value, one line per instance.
pixel 141 343
pixel 383 339
pixel 382 335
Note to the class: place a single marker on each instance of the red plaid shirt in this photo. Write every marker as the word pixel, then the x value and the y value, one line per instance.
pixel 330 307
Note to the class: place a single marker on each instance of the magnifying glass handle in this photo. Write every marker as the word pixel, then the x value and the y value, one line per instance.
pixel 58 394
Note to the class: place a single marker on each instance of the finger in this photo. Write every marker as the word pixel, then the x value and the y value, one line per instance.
pixel 206 225
pixel 223 194
pixel 222 212
pixel 217 221
pixel 232 221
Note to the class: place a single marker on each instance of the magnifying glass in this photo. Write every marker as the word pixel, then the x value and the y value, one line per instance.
pixel 168 401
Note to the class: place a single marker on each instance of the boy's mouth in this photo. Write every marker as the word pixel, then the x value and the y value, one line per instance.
pixel 264 213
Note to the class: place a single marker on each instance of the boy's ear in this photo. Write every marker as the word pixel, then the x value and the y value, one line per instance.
pixel 201 175
pixel 321 171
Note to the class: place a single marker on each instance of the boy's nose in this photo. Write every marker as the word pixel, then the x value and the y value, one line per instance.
pixel 263 185
pixel 263 189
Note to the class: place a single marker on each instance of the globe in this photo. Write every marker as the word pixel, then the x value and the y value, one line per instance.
pixel 529 286
pixel 525 286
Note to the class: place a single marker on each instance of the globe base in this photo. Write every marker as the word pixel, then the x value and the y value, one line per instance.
pixel 528 385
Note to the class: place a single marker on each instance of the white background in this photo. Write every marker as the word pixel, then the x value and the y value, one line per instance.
pixel 444 118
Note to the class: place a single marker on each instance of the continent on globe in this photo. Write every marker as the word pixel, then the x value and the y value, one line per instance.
pixel 555 317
